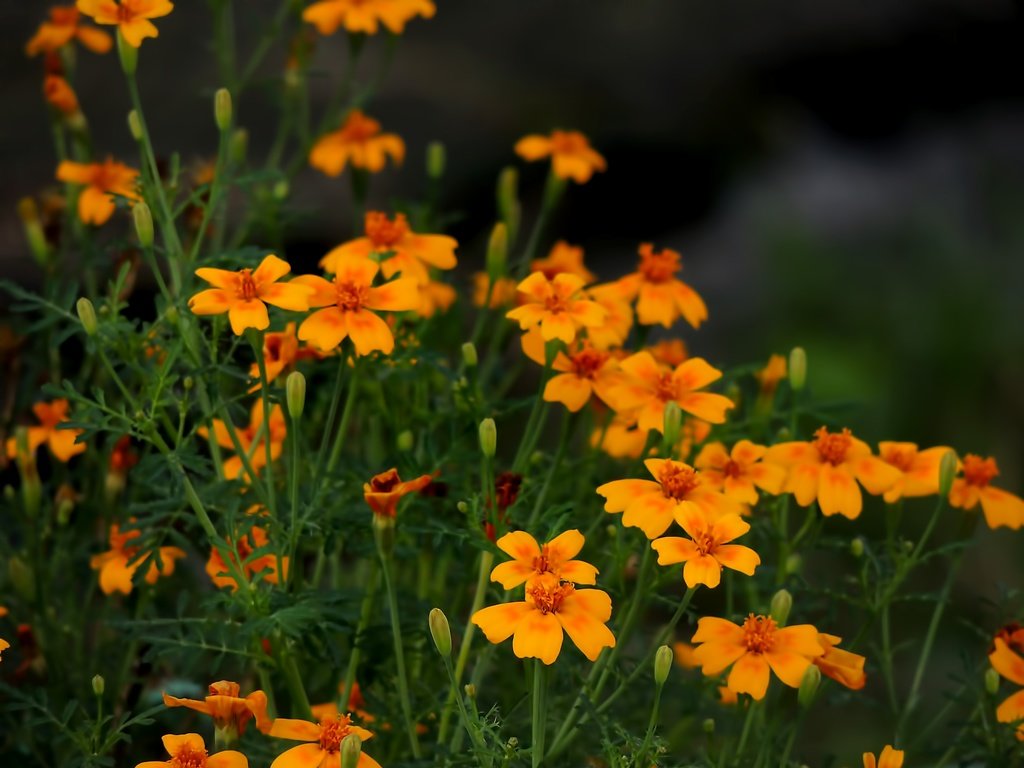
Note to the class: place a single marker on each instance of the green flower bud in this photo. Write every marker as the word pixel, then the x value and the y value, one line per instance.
pixel 463 507
pixel 98 684
pixel 991 681
pixel 87 314
pixel 440 631
pixel 793 565
pixel 508 197
pixel 797 368
pixel 295 394
pixel 281 190
pixel 435 160
pixel 222 109
pixel 781 605
pixel 488 438
pixel 470 690
pixel 188 382
pixel 948 467
pixel 128 54
pixel 135 125
pixel 469 356
pixel 497 252
pixel 29 215
pixel 351 749
pixel 143 223
pixel 172 316
pixel 857 547
pixel 405 441
pixel 672 424
pixel 662 665
pixel 809 686
pixel 238 146
pixel 708 726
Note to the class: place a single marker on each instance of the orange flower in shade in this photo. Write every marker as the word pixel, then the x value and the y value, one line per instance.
pixel 347 302
pixel 244 294
pixel 683 653
pixel 189 751
pixel 755 648
pixel 773 372
pixel 385 490
pixel 63 27
pixel 889 758
pixel 117 566
pixel 281 351
pixel 618 318
pixel 676 493
pixel 324 751
pixel 397 248
pixel 1008 663
pixel 844 667
pixel 557 305
pixel 435 297
pixel 61 442
pixel 243 549
pixel 624 440
pixel 919 469
pixel 366 15
pixel 503 293
pixel 571 155
pixel 536 624
pixel 532 560
pixel 563 258
pixel 740 472
pixel 4 645
pixel 661 297
pixel 60 95
pixel 131 17
pixel 648 387
pixel 358 141
pixel 101 181
pixel 230 712
pixel 708 548
pixel 828 468
pixel 251 438
pixel 670 352
pixel 1000 508
pixel 582 371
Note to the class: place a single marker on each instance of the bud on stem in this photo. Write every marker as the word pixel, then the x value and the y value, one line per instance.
pixel 440 631
pixel 351 749
pixel 295 394
pixel 662 665
pixel 435 160
pixel 781 605
pixel 87 314
pixel 497 252
pixel 143 223
pixel 488 438
pixel 948 467
pixel 222 109
pixel 797 369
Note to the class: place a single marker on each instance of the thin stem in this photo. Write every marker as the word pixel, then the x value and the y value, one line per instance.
pixel 747 723
pixel 346 417
pixel 369 601
pixel 292 678
pixel 540 712
pixel 396 637
pixel 256 339
pixel 568 423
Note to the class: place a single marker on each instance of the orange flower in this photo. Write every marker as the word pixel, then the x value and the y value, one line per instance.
pixel 60 95
pixel 229 711
pixel 347 301
pixel 61 29
pixel 648 387
pixel 670 352
pixel 281 351
pixel 131 17
pixel 550 607
pixel 358 141
pixel 828 469
pixel 366 15
pixel 325 749
pixel 61 442
pixel 252 439
pixel 753 649
pixel 356 703
pixel 889 758
pixel 243 549
pixel 435 297
pixel 844 667
pixel 117 566
pixel 739 473
pixel 770 376
pixel 683 653
pixel 1000 508
pixel 919 470
pixel 563 258
pixel 385 490
pixel 708 548
pixel 4 645
pixel 571 154
pixel 532 561
pixel 661 297
pixel 676 493
pixel 618 319
pixel 503 294
pixel 623 439
pixel 556 306
pixel 101 181
pixel 582 371
pixel 397 248
pixel 1010 665
pixel 244 294
pixel 189 751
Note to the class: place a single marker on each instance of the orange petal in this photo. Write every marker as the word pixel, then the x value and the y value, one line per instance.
pixel 538 636
pixel 296 730
pixel 750 675
pixel 302 756
pixel 584 628
pixel 838 492
pixel 511 574
pixel 519 545
pixel 702 569
pixel 498 622
pixel 789 667
pixel 248 314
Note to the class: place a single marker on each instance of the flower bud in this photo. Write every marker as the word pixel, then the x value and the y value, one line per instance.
pixel 128 54
pixel 281 190
pixel 857 547
pixel 238 146
pixel 797 368
pixel 662 665
pixel 793 564
pixel 29 215
pixel 188 382
pixel 222 108
pixel 948 467
pixel 809 686
pixel 673 422
pixel 991 681
pixel 295 394
pixel 405 441
pixel 435 160
pixel 512 743
pixel 351 749
pixel 143 223
pixel 463 507
pixel 469 356
pixel 708 726
pixel 22 579
pixel 470 690
pixel 135 125
pixel 488 438
pixel 172 316
pixel 781 605
pixel 87 314
pixel 440 631
pixel 497 252
pixel 98 684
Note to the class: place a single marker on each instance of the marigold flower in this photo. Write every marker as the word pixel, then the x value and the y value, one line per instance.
pixel 61 442
pixel 828 468
pixel 571 155
pixel 683 653
pixel 242 549
pixel 101 181
pixel 563 258
pixel 740 472
pixel 618 319
pixel 117 566
pixel 532 560
pixel 358 141
pixel 503 293
pixel 356 704
pixel 582 371
pixel 1010 665
pixel 754 649
pixel 773 372
pixel 281 351
pixel 551 606
pixel 670 352
pixel 347 302
pixel 189 751
pixel 889 758
pixel 229 710
pixel 1000 507
pixel 247 436
pixel 676 493
pixel 845 667
pixel 385 490
pixel 435 297
pixel 366 15
pixel 660 296
pixel 244 294
pixel 131 17
pixel 556 305
pixel 919 470
pixel 63 27
pixel 708 548
pixel 326 737
pixel 60 95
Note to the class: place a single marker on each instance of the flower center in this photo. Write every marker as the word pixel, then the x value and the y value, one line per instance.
pixel 333 731
pixel 246 285
pixel 126 12
pixel 350 296
pixel 901 458
pixel 732 469
pixel 658 266
pixel 188 757
pixel 555 303
pixel 759 633
pixel 1012 635
pixel 677 480
pixel 359 128
pixel 547 598
pixel 979 472
pixel 588 361
pixel 705 542
pixel 383 232
pixel 385 482
pixel 832 447
pixel 666 389
pixel 542 563
pixel 567 142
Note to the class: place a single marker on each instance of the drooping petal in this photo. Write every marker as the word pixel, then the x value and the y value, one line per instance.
pixel 702 569
pixel 1001 508
pixel 248 314
pixel 874 474
pixel 652 513
pixel 838 492
pixel 324 329
pixel 1006 662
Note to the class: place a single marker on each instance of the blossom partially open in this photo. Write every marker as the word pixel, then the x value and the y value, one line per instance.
pixel 229 710
pixel 1000 507
pixel 385 490
pixel 61 442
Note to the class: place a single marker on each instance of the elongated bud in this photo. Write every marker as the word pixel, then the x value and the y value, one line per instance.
pixel 991 681
pixel 948 468
pixel 295 394
pixel 440 631
pixel 143 223
pixel 135 125
pixel 497 252
pixel 469 356
pixel 662 665
pixel 98 685
pixel 238 146
pixel 809 686
pixel 797 368
pixel 435 160
pixel 351 749
pixel 673 423
pixel 857 547
pixel 87 314
pixel 488 438
pixel 29 215
pixel 128 54
pixel 405 441
pixel 781 605
pixel 222 109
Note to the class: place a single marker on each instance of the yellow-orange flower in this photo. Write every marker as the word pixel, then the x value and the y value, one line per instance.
pixel 435 297
pixel 116 565
pixel 325 747
pixel 358 141
pixel 740 472
pixel 845 667
pixel 557 305
pixel 63 27
pixel 536 624
pixel 385 490
pixel 676 493
pixel 773 372
pixel 281 351
pixel 347 302
pixel 4 645
pixel 244 294
pixel 531 560
pixel 660 296
pixel 242 550
pixel 60 95
pixel 888 758
pixel 919 470
pixel 670 352
pixel 101 182
pixel 563 258
pixel 618 317
pixel 753 649
pixel 1010 665
pixel 131 17
pixel 61 442
pixel 366 15
pixel 503 293
pixel 581 371
pixel 828 468
pixel 252 439
pixel 683 653
pixel 571 155
pixel 648 387
pixel 188 750
pixel 708 548
pixel 1000 507
pixel 228 709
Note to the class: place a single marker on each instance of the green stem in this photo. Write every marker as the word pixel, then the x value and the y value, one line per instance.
pixel 369 601
pixel 474 733
pixel 292 679
pixel 346 418
pixel 568 423
pixel 540 712
pixel 747 723
pixel 256 340
pixel 396 637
